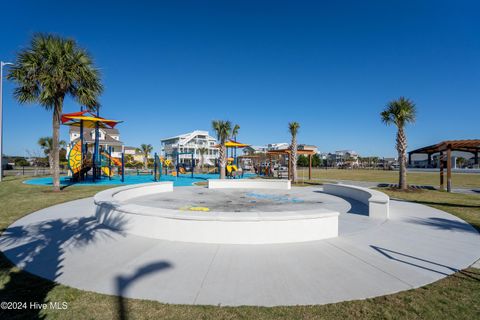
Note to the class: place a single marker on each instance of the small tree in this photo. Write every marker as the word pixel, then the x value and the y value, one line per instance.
pixel 46 144
pixel 293 128
pixel 400 112
pixel 202 152
pixel 145 149
pixel 223 129
pixel 302 161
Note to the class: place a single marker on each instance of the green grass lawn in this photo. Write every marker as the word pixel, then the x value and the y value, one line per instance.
pixel 468 180
pixel 455 297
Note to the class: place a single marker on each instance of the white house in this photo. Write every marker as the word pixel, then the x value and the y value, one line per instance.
pixel 278 146
pixel 106 138
pixel 191 142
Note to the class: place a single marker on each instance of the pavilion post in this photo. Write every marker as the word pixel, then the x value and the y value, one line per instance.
pixel 475 160
pixel 429 160
pixel 409 159
pixel 442 186
pixel 449 169
pixel 309 167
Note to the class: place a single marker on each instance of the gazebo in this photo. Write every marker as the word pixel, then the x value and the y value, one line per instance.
pixel 287 152
pixel 445 149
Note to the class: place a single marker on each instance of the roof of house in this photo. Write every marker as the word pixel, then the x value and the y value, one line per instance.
pixel 87 137
pixel 85 130
pixel 186 137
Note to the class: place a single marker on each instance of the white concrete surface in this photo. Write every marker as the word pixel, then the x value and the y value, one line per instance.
pixel 240 227
pixel 378 202
pixel 249 184
pixel 416 246
pixel 122 194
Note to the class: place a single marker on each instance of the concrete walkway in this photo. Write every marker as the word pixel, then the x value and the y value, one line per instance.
pixel 417 246
pixel 371 184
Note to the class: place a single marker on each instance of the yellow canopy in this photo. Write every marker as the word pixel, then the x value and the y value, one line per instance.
pixel 233 144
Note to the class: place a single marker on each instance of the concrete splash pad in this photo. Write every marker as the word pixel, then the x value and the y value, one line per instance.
pixel 416 246
pixel 221 216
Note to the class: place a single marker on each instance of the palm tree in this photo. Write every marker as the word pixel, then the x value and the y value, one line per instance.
pixel 46 143
pixel 235 130
pixel 48 71
pixel 400 112
pixel 145 149
pixel 223 129
pixel 293 128
pixel 202 152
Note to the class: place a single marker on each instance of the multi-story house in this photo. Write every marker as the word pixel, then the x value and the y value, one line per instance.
pixel 190 143
pixel 106 138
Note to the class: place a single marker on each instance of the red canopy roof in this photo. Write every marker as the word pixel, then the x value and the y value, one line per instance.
pixel 74 119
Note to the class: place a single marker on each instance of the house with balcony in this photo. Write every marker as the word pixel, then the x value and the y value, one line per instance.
pixel 106 138
pixel 189 144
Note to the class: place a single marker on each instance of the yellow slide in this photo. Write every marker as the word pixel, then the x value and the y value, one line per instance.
pixel 231 168
pixel 115 162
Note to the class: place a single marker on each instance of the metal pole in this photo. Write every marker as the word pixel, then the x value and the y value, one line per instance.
pixel 123 167
pixel 155 167
pixel 110 162
pixel 192 166
pixel 2 64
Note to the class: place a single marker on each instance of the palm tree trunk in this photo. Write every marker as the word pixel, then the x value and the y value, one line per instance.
pixel 55 141
pixel 145 162
pixel 222 160
pixel 402 149
pixel 294 158
pixel 50 162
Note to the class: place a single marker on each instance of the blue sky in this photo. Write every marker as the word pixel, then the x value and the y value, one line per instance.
pixel 171 67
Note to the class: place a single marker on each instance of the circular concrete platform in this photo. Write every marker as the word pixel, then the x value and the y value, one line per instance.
pixel 416 246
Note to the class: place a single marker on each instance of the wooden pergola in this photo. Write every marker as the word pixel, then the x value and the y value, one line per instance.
pixel 445 149
pixel 287 152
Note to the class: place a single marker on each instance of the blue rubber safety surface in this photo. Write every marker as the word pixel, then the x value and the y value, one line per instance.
pixel 181 181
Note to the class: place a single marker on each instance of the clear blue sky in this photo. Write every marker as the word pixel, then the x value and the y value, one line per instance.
pixel 331 65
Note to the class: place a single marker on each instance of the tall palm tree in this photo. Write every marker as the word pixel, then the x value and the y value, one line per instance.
pixel 202 152
pixel 145 149
pixel 46 143
pixel 235 130
pixel 48 71
pixel 293 128
pixel 223 129
pixel 400 112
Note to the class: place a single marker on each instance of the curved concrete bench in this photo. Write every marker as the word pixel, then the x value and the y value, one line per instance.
pixel 378 202
pixel 249 184
pixel 114 209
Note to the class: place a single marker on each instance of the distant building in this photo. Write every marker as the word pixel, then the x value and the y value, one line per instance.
pixel 250 150
pixel 191 142
pixel 342 158
pixel 308 147
pixel 106 138
pixel 278 146
pixel 136 154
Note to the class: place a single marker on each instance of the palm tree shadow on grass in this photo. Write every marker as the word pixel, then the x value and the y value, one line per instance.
pixel 39 248
pixel 123 282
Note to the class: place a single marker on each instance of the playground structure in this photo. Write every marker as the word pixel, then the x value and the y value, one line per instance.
pixel 171 164
pixel 85 157
pixel 287 154
pixel 232 160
